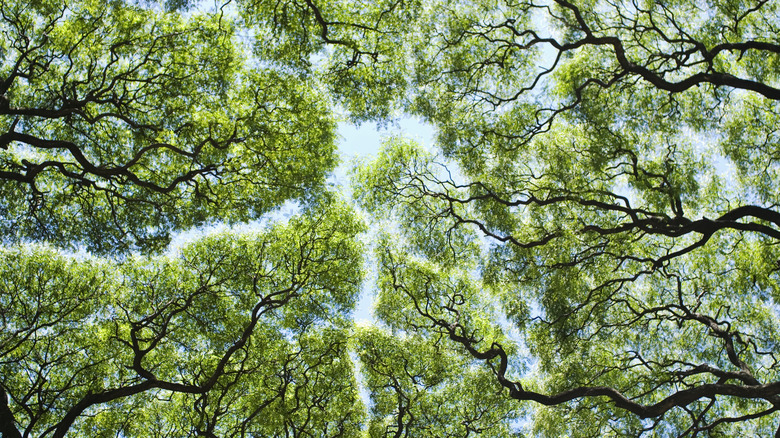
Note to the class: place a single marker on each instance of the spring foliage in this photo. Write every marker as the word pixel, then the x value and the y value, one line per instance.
pixel 589 249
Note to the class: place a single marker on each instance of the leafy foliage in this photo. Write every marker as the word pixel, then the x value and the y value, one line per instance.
pixel 239 335
pixel 121 124
pixel 613 163
pixel 590 249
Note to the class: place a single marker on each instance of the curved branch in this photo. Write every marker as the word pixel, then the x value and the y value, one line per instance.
pixel 105 172
pixel 107 396
pixel 715 78
pixel 681 398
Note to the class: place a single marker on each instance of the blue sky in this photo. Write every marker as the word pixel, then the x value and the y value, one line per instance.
pixel 366 139
pixel 364 142
pixel 355 142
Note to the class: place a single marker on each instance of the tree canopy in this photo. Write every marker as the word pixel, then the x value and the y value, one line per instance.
pixel 589 249
pixel 122 124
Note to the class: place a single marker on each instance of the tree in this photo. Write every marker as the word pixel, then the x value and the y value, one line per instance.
pixel 238 335
pixel 608 187
pixel 590 250
pixel 122 124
